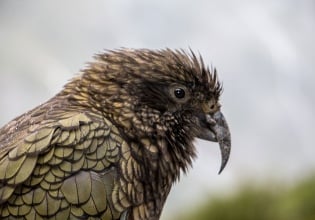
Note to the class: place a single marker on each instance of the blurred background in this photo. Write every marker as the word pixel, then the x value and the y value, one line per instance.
pixel 264 54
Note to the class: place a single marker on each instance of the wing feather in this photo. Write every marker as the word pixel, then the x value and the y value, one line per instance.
pixel 56 169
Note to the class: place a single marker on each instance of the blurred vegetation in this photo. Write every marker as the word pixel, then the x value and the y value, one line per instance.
pixel 270 202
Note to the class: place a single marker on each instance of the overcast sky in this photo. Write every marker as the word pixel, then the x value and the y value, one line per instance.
pixel 263 50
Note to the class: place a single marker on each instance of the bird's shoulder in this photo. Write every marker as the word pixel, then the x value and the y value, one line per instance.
pixel 52 124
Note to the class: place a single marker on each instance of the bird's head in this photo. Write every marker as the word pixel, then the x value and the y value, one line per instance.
pixel 158 93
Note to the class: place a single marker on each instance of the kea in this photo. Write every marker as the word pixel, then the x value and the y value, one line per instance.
pixel 111 144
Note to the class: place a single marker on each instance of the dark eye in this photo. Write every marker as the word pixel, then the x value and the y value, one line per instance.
pixel 179 93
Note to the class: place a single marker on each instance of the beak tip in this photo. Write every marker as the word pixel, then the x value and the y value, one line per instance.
pixel 224 139
pixel 225 153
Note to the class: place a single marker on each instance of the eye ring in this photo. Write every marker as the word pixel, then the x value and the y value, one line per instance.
pixel 179 93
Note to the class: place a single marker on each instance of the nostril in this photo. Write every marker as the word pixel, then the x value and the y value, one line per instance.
pixel 210 120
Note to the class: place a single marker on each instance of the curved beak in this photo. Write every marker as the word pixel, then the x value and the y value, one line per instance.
pixel 213 127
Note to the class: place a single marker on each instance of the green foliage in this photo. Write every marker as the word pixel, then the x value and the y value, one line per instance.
pixel 271 202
